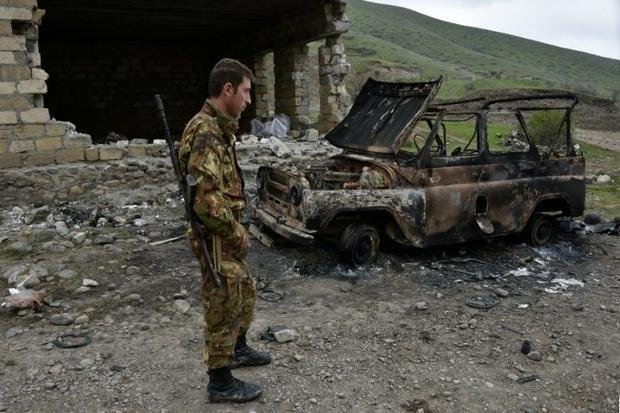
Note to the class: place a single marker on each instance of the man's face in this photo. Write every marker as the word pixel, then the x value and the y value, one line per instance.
pixel 236 101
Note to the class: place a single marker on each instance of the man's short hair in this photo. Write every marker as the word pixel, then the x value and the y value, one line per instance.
pixel 227 71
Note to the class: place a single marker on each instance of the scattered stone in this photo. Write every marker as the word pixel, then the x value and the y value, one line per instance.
pixel 136 298
pixel 527 378
pixel 87 282
pixel 83 319
pixel 279 148
pixel 139 222
pixel 14 272
pixel 603 179
pixel 87 363
pixel 53 246
pixel 501 292
pixel 104 239
pixel 79 238
pixel 298 357
pixel 183 294
pixel 249 139
pixel 17 211
pixel 421 305
pixel 534 355
pixel 513 377
pixel 284 336
pixel 67 274
pixel 311 135
pixel 83 289
pixel 62 319
pixel 20 247
pixel 25 276
pixel 61 228
pixel 181 306
pixel 133 270
pixel 13 332
pixel 56 369
pixel 49 385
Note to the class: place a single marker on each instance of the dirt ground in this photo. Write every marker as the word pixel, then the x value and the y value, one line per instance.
pixel 397 336
pixel 605 139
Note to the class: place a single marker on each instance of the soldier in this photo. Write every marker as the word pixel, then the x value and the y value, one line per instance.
pixel 207 152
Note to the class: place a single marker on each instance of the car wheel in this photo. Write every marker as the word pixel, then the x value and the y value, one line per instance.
pixel 359 244
pixel 541 230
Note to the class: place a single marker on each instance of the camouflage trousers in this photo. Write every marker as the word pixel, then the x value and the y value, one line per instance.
pixel 228 309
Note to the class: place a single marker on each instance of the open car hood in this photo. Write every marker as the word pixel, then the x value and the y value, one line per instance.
pixel 382 116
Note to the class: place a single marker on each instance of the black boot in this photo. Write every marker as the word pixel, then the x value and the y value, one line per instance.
pixel 246 356
pixel 224 388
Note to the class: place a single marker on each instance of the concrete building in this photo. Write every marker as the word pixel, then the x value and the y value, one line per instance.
pixel 97 64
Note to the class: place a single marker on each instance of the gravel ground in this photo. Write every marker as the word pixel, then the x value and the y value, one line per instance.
pixel 402 335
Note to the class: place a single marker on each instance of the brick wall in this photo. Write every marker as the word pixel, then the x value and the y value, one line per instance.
pixel 110 87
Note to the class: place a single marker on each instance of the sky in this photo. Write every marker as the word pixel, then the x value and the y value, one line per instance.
pixel 591 26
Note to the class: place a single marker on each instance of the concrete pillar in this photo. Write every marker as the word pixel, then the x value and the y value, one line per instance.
pixel 333 68
pixel 261 85
pixel 292 96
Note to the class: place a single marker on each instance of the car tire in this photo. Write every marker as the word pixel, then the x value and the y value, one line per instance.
pixel 359 244
pixel 541 230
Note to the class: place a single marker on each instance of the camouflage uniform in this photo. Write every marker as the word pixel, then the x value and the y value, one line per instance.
pixel 207 153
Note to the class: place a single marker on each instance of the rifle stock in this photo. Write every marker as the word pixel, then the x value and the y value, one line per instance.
pixel 187 185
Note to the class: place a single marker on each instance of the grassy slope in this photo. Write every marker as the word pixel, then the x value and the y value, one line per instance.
pixel 393 43
pixel 472 59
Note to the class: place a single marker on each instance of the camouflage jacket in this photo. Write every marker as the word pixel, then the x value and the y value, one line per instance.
pixel 207 153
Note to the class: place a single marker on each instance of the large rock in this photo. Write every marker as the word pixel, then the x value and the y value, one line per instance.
pixel 26 276
pixel 63 319
pixel 279 148
pixel 284 336
pixel 311 135
pixel 603 179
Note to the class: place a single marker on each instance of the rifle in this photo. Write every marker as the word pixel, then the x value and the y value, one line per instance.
pixel 187 184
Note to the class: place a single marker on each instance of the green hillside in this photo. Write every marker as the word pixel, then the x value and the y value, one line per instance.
pixel 399 44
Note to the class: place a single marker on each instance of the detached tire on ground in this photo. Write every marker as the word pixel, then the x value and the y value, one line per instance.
pixel 359 244
pixel 540 230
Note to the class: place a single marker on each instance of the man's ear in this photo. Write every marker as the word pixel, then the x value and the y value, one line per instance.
pixel 228 89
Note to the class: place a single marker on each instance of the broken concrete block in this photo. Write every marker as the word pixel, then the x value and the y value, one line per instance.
pixel 279 148
pixel 10 161
pixel 284 336
pixel 7 58
pixel 311 135
pixel 35 58
pixel 36 159
pixel 39 74
pixel 108 152
pixel 35 86
pixel 92 153
pixel 35 116
pixel 70 155
pixel 21 146
pixel 15 13
pixel 8 117
pixel 77 140
pixel 48 144
pixel 16 43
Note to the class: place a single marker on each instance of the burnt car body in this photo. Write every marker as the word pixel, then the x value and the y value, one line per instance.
pixel 402 175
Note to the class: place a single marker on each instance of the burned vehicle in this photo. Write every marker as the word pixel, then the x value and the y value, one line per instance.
pixel 425 174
